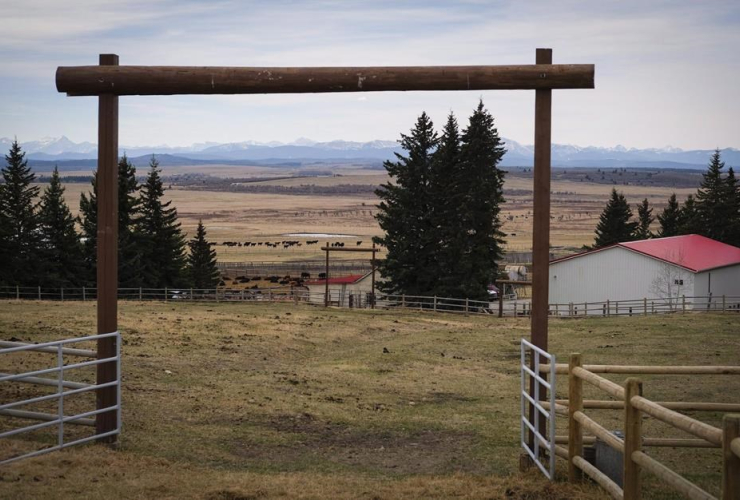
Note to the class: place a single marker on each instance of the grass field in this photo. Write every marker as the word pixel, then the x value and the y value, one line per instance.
pixel 234 216
pixel 247 401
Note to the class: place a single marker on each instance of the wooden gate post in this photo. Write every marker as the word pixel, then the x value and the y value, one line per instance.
pixel 632 441
pixel 730 458
pixel 575 432
pixel 326 277
pixel 107 265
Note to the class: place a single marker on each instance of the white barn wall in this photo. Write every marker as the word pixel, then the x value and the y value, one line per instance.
pixel 724 281
pixel 612 274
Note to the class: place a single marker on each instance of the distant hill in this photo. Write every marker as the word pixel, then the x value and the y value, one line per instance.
pixel 44 153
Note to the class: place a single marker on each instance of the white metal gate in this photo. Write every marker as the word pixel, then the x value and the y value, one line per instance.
pixel 60 348
pixel 543 438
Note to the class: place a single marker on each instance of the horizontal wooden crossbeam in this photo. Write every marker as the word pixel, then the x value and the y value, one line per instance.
pixel 171 80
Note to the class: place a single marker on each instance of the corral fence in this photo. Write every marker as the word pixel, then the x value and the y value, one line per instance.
pixel 63 387
pixel 296 268
pixel 365 299
pixel 626 481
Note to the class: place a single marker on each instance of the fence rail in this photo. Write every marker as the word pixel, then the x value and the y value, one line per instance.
pixel 629 398
pixel 364 299
pixel 59 419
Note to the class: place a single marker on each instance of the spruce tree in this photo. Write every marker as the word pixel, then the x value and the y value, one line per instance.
pixel 61 250
pixel 130 241
pixel 445 200
pixel 712 207
pixel 614 224
pixel 688 220
pixel 670 218
pixel 404 215
pixel 163 243
pixel 732 194
pixel 201 261
pixel 19 220
pixel 481 184
pixel 644 219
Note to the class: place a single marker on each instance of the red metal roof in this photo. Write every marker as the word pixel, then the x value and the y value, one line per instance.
pixel 693 252
pixel 340 280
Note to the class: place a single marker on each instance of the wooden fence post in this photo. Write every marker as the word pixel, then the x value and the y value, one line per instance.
pixel 570 308
pixel 435 303
pixel 644 306
pixel 683 303
pixel 724 302
pixel 140 294
pixel 191 295
pixel 608 308
pixel 575 433
pixel 84 293
pixel 39 293
pixel 165 294
pixel 467 309
pixel 585 308
pixel 730 461
pixel 403 300
pixel 17 292
pixel 61 295
pixel 632 441
pixel 616 308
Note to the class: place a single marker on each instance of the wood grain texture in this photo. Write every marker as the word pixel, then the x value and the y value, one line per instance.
pixel 171 80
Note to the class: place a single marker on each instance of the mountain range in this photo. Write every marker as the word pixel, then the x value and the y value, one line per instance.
pixel 44 153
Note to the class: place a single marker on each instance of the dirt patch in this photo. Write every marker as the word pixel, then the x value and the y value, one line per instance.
pixel 426 451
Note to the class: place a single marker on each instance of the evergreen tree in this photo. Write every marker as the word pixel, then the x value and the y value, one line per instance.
pixel 404 215
pixel 88 220
pixel 670 218
pixel 712 207
pixel 163 246
pixel 445 199
pixel 688 220
pixel 481 188
pixel 61 250
pixel 19 221
pixel 614 224
pixel 130 241
pixel 733 208
pixel 202 270
pixel 644 219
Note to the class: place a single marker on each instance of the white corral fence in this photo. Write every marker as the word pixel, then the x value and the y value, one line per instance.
pixel 59 419
pixel 542 438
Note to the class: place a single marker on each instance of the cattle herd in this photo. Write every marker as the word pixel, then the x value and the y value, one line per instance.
pixel 284 244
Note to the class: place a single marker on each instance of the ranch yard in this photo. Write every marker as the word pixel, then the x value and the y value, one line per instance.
pixel 248 401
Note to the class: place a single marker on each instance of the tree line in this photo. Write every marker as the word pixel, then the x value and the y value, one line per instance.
pixel 441 210
pixel 40 244
pixel 713 212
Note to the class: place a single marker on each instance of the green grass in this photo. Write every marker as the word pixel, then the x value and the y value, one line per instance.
pixel 305 402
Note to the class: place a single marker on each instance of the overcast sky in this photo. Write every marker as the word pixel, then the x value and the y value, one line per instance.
pixel 667 73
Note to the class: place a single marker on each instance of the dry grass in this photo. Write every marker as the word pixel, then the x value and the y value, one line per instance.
pixel 268 217
pixel 260 400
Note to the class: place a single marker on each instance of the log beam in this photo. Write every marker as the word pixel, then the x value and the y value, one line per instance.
pixel 173 80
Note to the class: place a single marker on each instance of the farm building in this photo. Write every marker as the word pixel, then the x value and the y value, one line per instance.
pixel 662 270
pixel 352 290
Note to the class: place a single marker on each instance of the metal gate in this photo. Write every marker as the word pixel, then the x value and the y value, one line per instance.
pixel 542 438
pixel 60 348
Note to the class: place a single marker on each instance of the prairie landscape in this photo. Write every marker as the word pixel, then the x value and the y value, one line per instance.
pixel 237 401
pixel 268 204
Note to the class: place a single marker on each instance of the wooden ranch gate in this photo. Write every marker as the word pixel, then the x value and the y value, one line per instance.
pixel 108 81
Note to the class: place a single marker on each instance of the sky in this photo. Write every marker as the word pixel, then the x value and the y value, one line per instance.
pixel 667 72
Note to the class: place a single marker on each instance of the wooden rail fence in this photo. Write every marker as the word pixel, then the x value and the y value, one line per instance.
pixel 628 397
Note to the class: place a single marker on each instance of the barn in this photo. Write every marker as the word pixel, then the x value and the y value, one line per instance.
pixel 353 290
pixel 662 270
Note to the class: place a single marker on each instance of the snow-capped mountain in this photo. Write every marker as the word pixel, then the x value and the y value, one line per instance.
pixel 565 155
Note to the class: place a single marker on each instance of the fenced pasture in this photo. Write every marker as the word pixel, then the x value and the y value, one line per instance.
pixel 270 400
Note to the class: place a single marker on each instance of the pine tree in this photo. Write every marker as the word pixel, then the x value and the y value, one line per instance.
pixel 481 185
pixel 688 220
pixel 669 219
pixel 644 218
pixel 445 200
pixel 163 246
pixel 88 220
pixel 614 224
pixel 61 250
pixel 19 220
pixel 711 202
pixel 201 260
pixel 130 241
pixel 404 215
pixel 732 195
